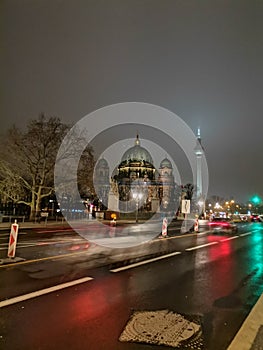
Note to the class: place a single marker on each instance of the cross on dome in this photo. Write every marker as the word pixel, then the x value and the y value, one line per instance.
pixel 137 141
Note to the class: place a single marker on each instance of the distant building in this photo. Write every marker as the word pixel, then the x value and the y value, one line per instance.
pixel 102 180
pixel 139 180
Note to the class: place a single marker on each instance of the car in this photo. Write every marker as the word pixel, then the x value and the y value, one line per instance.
pixel 254 217
pixel 222 225
pixel 203 222
pixel 236 218
pixel 244 217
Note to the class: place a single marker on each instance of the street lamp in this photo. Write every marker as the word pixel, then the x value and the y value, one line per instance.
pixel 256 200
pixel 217 206
pixel 137 196
pixel 52 206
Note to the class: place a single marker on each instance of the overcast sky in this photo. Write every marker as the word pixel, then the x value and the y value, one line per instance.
pixel 203 60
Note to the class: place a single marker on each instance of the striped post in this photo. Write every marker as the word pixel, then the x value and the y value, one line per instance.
pixel 13 240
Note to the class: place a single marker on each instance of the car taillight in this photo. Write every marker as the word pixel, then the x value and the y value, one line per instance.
pixel 224 224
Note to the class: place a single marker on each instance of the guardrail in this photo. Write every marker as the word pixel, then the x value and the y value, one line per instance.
pixel 12 217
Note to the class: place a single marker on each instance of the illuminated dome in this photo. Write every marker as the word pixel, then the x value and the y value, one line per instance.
pixel 137 174
pixel 102 163
pixel 166 163
pixel 137 153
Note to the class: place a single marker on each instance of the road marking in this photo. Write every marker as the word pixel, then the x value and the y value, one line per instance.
pixel 228 239
pixel 28 245
pixel 65 231
pixel 43 259
pixel 246 234
pixel 61 242
pixel 43 291
pixel 35 244
pixel 202 233
pixel 3 235
pixel 144 262
pixel 181 236
pixel 201 246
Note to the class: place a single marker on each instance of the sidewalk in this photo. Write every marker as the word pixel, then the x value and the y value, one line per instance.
pixel 63 223
pixel 27 224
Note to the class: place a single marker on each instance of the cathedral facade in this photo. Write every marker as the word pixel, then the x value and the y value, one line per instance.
pixel 137 182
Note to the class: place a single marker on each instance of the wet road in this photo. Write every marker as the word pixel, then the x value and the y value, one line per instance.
pixel 214 279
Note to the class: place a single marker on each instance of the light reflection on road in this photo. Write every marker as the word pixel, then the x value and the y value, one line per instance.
pixel 213 275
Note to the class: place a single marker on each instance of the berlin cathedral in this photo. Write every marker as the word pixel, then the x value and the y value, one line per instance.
pixel 136 180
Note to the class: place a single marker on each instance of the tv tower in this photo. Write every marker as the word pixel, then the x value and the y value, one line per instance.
pixel 199 151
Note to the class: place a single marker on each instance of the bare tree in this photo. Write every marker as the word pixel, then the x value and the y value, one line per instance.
pixel 188 191
pixel 85 173
pixel 27 161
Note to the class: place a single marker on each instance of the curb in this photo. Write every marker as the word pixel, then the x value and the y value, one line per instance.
pixel 249 331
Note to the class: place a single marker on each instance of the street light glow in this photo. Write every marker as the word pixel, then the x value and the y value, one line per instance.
pixel 256 199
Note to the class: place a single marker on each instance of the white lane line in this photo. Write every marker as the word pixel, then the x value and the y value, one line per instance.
pixel 144 262
pixel 246 234
pixel 201 233
pixel 20 246
pixel 3 235
pixel 56 231
pixel 37 244
pixel 28 245
pixel 201 246
pixel 62 241
pixel 228 239
pixel 43 291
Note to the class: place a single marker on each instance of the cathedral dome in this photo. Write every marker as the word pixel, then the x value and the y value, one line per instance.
pixel 102 163
pixel 137 153
pixel 166 163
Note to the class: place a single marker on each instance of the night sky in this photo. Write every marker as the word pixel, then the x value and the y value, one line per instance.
pixel 203 60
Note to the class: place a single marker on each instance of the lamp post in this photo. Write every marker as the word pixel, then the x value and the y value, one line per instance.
pixel 52 206
pixel 210 210
pixel 137 196
pixel 201 208
pixel 256 200
pixel 232 202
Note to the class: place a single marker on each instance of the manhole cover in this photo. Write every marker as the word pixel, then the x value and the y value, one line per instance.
pixel 163 327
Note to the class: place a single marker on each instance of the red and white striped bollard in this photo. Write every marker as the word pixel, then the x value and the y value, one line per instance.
pixel 13 240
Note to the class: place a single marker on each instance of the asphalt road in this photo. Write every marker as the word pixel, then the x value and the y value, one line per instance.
pixel 213 280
